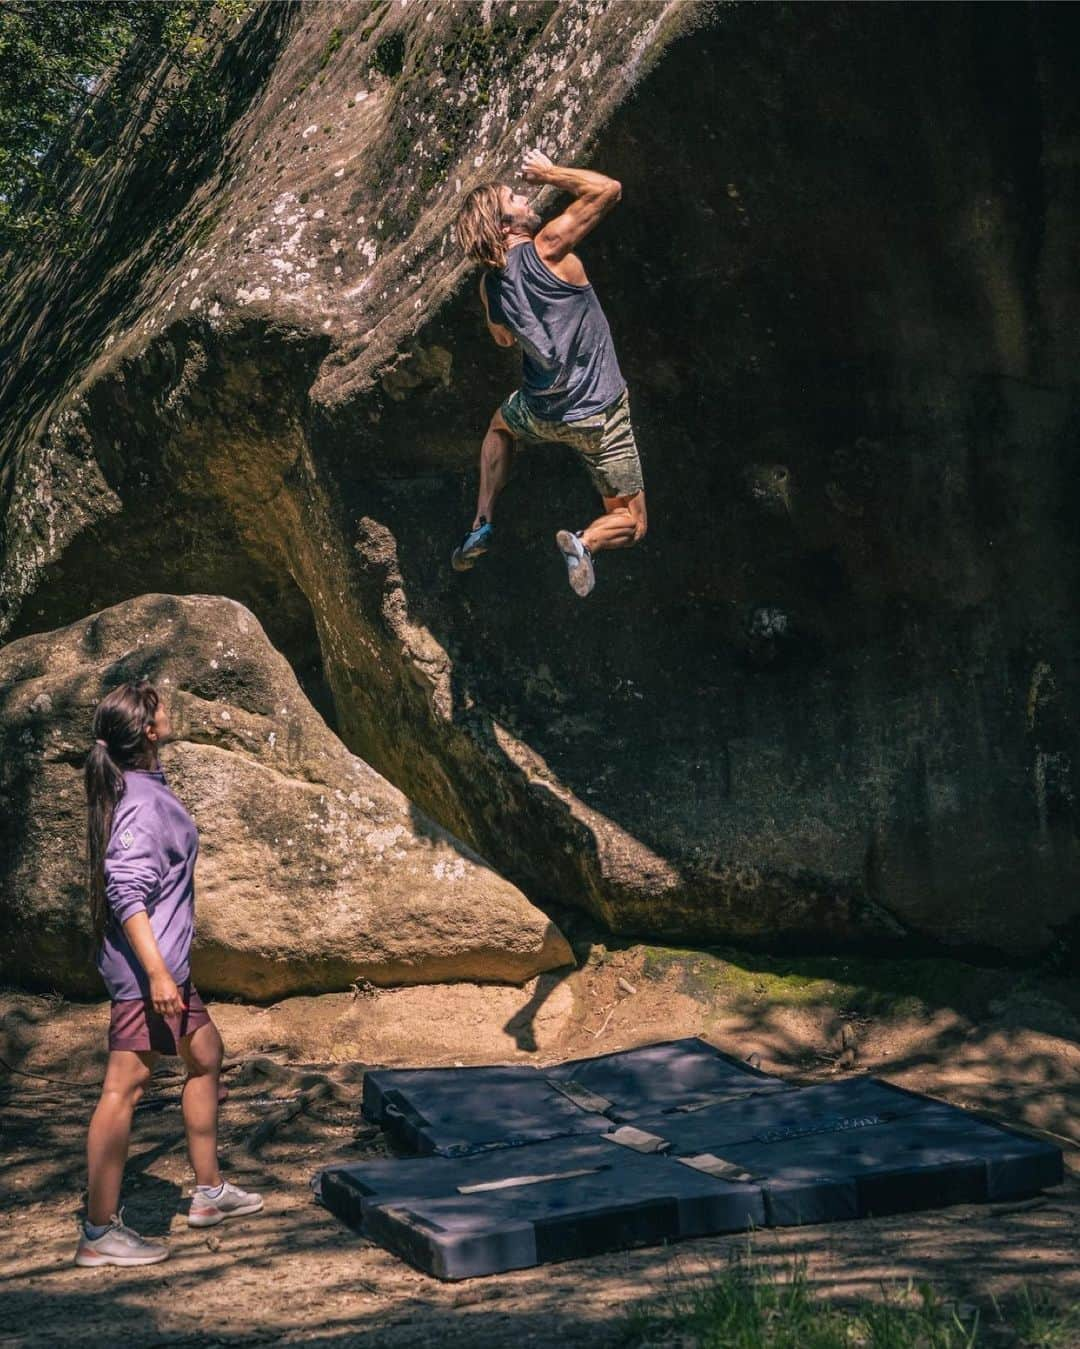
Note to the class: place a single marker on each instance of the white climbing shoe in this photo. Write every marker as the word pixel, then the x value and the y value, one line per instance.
pixel 579 566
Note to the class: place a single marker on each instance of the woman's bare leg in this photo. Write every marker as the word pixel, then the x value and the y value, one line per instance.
pixel 107 1141
pixel 202 1051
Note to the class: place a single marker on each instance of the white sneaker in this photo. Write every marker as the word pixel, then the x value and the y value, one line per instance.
pixel 232 1202
pixel 119 1245
pixel 579 567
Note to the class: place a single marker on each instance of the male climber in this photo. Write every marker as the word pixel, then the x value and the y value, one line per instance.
pixel 534 291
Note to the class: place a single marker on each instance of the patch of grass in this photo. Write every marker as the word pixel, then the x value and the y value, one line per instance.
pixel 1040 1322
pixel 748 1306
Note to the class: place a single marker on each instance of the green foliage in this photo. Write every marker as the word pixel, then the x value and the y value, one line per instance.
pixel 78 64
pixel 747 1306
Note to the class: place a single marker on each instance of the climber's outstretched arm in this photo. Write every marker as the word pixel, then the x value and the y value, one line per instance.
pixel 594 196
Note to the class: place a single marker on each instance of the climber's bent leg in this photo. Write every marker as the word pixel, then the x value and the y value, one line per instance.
pixel 609 451
pixel 625 522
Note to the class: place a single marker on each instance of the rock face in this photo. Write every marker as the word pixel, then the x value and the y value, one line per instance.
pixel 313 870
pixel 831 700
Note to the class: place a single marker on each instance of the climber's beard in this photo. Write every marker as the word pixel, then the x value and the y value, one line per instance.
pixel 526 220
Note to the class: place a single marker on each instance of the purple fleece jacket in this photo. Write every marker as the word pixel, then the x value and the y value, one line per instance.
pixel 149 866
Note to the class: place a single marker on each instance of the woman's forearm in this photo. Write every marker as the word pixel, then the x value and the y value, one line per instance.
pixel 143 942
pixel 164 994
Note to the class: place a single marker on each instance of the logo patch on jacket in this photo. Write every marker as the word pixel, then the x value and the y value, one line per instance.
pixel 127 838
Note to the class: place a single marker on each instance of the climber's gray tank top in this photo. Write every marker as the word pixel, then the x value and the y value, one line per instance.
pixel 569 368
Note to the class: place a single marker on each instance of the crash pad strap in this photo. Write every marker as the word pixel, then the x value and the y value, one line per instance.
pixel 715 1166
pixel 637 1139
pixel 719 1098
pixel 508 1182
pixel 582 1096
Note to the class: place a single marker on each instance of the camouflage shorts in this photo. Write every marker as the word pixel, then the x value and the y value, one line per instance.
pixel 604 442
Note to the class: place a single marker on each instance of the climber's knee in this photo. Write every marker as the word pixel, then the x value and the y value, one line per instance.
pixel 498 423
pixel 634 508
pixel 639 515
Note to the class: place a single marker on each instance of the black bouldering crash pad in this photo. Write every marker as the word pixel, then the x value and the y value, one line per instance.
pixel 672 1140
pixel 668 1076
pixel 451 1112
pixel 516 1207
pixel 852 1149
pixel 454 1111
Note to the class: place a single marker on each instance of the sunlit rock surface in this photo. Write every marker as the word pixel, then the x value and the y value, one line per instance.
pixel 313 870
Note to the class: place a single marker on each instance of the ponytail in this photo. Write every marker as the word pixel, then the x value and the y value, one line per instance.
pixel 104 788
pixel 120 723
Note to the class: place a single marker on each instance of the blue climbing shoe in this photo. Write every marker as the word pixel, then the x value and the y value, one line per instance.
pixel 579 566
pixel 473 547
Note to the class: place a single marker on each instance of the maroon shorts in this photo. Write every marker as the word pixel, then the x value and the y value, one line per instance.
pixel 135 1025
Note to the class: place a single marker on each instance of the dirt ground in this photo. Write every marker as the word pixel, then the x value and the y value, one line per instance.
pixel 294 1275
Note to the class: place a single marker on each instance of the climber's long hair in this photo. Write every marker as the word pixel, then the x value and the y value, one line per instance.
pixel 479 226
pixel 120 742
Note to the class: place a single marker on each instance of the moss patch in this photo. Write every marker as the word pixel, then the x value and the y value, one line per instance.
pixel 854 985
pixel 336 38
pixel 388 57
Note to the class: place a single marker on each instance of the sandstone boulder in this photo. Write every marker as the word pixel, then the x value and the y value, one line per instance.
pixel 313 872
